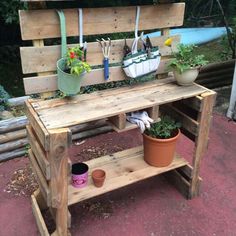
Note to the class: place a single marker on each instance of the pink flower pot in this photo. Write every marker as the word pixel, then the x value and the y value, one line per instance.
pixel 79 175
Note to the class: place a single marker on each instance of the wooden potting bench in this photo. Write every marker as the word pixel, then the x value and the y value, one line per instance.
pixel 50 121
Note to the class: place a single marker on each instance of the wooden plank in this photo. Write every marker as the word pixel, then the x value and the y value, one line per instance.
pixel 58 155
pixel 14 135
pixel 118 103
pixel 118 121
pixel 45 58
pixel 13 124
pixel 40 200
pixel 38 217
pixel 121 19
pixel 122 168
pixel 129 101
pixel 153 112
pixel 40 44
pixel 39 153
pixel 12 145
pixel 35 122
pixel 204 120
pixel 186 121
pixel 39 84
pixel 40 178
pixel 19 152
pixel 194 103
pixel 182 185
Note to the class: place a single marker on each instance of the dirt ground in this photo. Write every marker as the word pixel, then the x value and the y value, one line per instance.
pixel 148 208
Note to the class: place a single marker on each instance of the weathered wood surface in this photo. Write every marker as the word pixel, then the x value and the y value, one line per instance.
pixel 12 145
pixel 122 168
pixel 11 136
pixel 58 155
pixel 40 178
pixel 18 101
pixel 38 217
pixel 13 124
pixel 121 19
pixel 46 83
pixel 204 120
pixel 39 153
pixel 95 106
pixel 39 128
pixel 19 152
pixel 45 58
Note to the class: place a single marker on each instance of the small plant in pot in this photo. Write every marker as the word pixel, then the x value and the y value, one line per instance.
pixel 71 70
pixel 160 142
pixel 186 65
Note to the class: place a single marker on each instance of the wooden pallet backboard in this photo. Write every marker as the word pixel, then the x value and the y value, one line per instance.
pixel 99 20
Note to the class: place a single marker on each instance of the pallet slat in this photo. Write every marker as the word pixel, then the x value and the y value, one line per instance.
pixel 34 120
pixel 46 83
pixel 45 58
pixel 121 19
pixel 40 177
pixel 38 217
pixel 40 155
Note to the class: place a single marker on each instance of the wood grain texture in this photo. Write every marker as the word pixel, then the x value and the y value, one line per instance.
pixel 118 121
pixel 11 136
pixel 39 84
pixel 204 120
pixel 40 178
pixel 38 217
pixel 39 153
pixel 121 19
pixel 58 155
pixel 39 128
pixel 122 168
pixel 123 100
pixel 45 58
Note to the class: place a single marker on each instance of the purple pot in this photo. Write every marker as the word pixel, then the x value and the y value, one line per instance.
pixel 79 175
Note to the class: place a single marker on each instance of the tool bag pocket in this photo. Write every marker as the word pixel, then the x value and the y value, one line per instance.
pixel 140 63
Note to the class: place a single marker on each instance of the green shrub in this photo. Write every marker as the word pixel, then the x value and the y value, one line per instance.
pixel 166 128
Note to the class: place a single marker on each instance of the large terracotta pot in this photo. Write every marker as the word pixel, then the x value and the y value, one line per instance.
pixel 159 152
pixel 187 77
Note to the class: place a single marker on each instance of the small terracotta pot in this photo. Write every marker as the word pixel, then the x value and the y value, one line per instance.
pixel 98 177
pixel 159 152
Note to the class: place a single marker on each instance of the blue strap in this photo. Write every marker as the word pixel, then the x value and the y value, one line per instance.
pixel 63 32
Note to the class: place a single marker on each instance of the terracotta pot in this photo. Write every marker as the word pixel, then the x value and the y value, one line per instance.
pixel 187 77
pixel 98 177
pixel 159 152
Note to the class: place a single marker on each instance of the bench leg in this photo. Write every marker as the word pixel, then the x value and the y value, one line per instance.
pixel 201 142
pixel 58 157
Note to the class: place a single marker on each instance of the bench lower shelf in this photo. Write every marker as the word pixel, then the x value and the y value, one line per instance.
pixel 122 168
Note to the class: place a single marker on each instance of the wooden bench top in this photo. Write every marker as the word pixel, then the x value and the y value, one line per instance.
pixel 65 112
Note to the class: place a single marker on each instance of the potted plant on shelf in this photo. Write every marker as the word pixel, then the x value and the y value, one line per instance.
pixel 70 71
pixel 186 65
pixel 160 141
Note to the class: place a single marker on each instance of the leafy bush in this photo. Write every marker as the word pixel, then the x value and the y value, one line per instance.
pixel 4 96
pixel 166 128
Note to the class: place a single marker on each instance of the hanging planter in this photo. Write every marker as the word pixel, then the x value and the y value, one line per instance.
pixel 72 67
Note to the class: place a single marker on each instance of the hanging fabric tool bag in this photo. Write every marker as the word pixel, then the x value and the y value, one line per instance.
pixel 68 83
pixel 143 61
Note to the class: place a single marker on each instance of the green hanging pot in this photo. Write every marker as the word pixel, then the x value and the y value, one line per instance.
pixel 68 83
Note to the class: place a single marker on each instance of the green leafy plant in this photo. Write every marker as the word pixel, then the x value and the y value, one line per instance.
pixel 184 59
pixel 4 96
pixel 164 129
pixel 74 62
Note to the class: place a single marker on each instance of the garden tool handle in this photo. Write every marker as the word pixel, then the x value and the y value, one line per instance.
pixel 106 68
